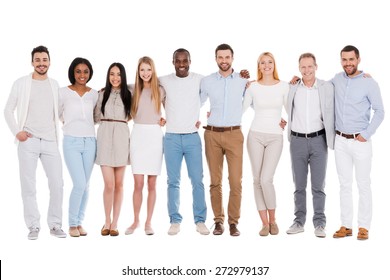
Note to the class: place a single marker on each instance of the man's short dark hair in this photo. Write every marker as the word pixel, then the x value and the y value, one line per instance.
pixel 181 50
pixel 351 48
pixel 39 49
pixel 224 47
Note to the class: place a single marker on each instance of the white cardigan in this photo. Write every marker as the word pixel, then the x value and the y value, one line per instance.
pixel 19 99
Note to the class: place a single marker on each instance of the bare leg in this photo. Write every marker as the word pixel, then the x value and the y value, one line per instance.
pixel 152 179
pixel 264 217
pixel 271 214
pixel 108 193
pixel 137 198
pixel 119 173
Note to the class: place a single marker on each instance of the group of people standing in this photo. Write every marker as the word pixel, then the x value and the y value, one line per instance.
pixel 321 115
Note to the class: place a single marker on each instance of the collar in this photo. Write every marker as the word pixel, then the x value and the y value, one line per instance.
pixel 315 85
pixel 355 77
pixel 231 76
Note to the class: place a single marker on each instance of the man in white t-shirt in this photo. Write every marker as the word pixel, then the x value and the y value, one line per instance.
pixel 36 128
pixel 182 105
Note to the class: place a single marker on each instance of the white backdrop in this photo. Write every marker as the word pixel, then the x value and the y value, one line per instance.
pixel 108 31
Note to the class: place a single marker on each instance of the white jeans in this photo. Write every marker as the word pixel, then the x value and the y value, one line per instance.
pixel 351 153
pixel 29 152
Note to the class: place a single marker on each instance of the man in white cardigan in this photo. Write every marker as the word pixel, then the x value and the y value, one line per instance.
pixel 36 128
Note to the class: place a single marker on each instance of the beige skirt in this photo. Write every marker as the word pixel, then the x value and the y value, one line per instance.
pixel 146 149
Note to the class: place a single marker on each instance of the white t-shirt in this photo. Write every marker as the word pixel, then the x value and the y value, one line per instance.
pixel 40 117
pixel 77 112
pixel 182 102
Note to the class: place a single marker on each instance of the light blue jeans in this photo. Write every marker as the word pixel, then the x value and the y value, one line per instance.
pixel 79 155
pixel 189 146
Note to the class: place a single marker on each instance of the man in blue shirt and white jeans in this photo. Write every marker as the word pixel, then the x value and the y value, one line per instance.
pixel 355 98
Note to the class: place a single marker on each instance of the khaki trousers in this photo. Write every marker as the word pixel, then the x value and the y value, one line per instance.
pixel 218 145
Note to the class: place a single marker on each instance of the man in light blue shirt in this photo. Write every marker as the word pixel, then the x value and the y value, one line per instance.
pixel 355 98
pixel 223 136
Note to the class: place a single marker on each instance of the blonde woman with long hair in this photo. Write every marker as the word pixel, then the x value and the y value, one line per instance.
pixel 146 145
pixel 265 138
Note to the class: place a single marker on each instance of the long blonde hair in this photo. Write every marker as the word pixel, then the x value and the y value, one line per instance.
pixel 139 86
pixel 259 74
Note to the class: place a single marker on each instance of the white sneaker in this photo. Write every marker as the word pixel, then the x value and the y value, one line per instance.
pixel 202 229
pixel 57 232
pixel 174 229
pixel 295 228
pixel 33 234
pixel 320 231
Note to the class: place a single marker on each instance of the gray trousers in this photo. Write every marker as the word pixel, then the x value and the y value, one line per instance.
pixel 305 153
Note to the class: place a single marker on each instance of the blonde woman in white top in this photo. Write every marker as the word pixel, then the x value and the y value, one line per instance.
pixel 267 96
pixel 76 106
pixel 146 145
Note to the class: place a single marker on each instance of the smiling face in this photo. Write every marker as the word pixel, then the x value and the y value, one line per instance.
pixel 41 64
pixel 307 67
pixel 145 72
pixel 182 63
pixel 350 62
pixel 224 59
pixel 81 74
pixel 115 77
pixel 266 65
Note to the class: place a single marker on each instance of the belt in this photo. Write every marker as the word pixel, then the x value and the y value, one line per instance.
pixel 221 129
pixel 348 136
pixel 111 120
pixel 309 135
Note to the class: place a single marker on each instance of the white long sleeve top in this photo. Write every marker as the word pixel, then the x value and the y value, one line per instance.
pixel 267 101
pixel 76 112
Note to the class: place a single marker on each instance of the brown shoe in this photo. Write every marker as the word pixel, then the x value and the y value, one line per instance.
pixel 264 230
pixel 219 229
pixel 74 232
pixel 82 231
pixel 114 232
pixel 105 231
pixel 362 234
pixel 343 232
pixel 273 229
pixel 234 230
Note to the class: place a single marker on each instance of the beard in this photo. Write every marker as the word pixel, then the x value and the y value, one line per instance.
pixel 350 71
pixel 41 72
pixel 224 68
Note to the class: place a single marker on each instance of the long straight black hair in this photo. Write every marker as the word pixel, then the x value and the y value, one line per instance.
pixel 125 92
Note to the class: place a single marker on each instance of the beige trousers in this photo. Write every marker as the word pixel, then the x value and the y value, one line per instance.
pixel 264 151
pixel 218 145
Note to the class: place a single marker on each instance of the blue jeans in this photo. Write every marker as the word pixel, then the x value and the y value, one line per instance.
pixel 79 155
pixel 190 146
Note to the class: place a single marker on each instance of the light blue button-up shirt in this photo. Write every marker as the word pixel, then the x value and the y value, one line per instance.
pixel 354 99
pixel 225 95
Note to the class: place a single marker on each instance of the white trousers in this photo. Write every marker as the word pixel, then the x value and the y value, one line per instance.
pixel 351 154
pixel 29 152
